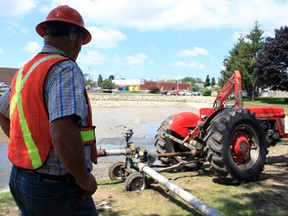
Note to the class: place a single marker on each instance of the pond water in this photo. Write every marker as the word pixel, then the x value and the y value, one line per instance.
pixel 104 143
pixel 109 131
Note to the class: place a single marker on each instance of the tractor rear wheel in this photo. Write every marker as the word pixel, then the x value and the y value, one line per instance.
pixel 165 145
pixel 236 146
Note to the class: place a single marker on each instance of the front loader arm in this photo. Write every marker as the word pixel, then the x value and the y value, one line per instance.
pixel 234 84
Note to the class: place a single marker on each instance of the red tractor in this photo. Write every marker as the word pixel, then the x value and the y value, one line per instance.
pixel 234 139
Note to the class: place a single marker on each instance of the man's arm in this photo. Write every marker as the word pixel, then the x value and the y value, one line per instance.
pixel 4 112
pixel 5 124
pixel 67 142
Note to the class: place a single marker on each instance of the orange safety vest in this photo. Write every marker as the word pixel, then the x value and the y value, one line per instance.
pixel 30 140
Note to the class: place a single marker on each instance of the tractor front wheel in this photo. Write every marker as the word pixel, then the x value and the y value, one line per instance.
pixel 236 145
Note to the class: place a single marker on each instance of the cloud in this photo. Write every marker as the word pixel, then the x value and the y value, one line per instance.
pixel 16 27
pixel 93 58
pixel 16 8
pixel 32 48
pixel 21 64
pixel 189 65
pixel 133 60
pixel 195 51
pixel 147 15
pixel 96 58
pixel 105 37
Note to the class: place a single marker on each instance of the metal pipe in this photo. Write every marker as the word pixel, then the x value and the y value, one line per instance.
pixel 117 152
pixel 202 207
pixel 172 167
pixel 183 154
pixel 113 152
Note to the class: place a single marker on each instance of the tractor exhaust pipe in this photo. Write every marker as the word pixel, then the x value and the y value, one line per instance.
pixel 202 207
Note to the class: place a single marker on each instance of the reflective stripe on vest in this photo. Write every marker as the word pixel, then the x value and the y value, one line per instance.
pixel 17 101
pixel 88 135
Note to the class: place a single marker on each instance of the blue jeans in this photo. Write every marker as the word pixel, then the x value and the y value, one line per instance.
pixel 37 196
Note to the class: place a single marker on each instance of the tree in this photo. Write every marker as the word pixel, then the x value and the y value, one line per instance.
pixel 188 80
pixel 232 62
pixel 272 62
pixel 198 80
pixel 213 82
pixel 191 81
pixel 89 81
pixel 254 48
pixel 243 57
pixel 207 81
pixel 154 89
pixel 111 77
pixel 100 79
pixel 107 84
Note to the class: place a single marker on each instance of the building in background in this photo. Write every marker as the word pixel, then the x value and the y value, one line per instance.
pixel 144 85
pixel 7 74
pixel 129 84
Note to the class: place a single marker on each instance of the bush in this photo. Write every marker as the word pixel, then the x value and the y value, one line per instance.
pixel 154 89
pixel 207 92
pixel 107 84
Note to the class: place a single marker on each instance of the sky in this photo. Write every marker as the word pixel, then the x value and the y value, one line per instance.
pixel 143 39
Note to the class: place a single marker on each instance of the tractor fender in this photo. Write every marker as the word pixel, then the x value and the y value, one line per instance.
pixel 209 119
pixel 182 122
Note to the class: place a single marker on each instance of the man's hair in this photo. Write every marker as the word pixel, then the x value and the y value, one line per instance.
pixel 61 28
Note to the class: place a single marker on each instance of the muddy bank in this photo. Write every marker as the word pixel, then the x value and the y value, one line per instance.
pixel 122 100
pixel 144 120
pixel 109 120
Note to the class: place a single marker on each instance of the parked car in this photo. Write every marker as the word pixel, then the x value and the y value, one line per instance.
pixel 3 86
pixel 183 92
pixel 164 92
pixel 175 92
pixel 214 93
pixel 189 93
pixel 197 93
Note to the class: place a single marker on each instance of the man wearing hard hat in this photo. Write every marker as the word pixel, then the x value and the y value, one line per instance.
pixel 47 116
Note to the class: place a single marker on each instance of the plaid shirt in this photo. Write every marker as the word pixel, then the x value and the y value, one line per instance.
pixel 64 96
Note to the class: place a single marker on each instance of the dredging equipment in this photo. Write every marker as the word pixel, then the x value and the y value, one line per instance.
pixel 137 164
pixel 135 180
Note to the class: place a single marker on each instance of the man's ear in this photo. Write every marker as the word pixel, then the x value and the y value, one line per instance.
pixel 79 40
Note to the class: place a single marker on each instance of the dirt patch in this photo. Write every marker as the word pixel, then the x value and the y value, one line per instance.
pixel 276 168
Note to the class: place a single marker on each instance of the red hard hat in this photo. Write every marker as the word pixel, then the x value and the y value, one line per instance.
pixel 66 14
